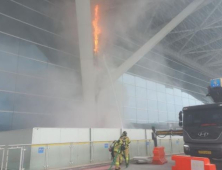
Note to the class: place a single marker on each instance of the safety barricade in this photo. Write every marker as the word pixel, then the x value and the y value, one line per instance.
pixel 192 163
pixel 159 156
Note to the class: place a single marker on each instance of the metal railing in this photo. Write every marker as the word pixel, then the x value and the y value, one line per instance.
pixel 2 149
pixel 61 155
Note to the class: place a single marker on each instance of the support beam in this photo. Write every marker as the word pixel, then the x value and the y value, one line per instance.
pixel 213 27
pixel 179 38
pixel 216 66
pixel 83 10
pixel 202 56
pixel 147 47
pixel 189 62
pixel 214 22
pixel 201 25
pixel 210 59
pixel 182 31
pixel 203 45
pixel 155 9
pixel 205 51
pixel 203 5
pixel 200 7
pixel 201 29
pixel 215 63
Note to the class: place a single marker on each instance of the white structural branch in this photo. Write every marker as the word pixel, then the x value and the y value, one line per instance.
pixel 83 10
pixel 148 46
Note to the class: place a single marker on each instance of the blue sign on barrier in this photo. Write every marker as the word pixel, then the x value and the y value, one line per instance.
pixel 41 150
pixel 215 83
pixel 106 145
pixel 177 142
pixel 147 143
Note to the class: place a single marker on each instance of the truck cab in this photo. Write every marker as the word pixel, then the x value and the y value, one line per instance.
pixel 202 130
pixel 202 125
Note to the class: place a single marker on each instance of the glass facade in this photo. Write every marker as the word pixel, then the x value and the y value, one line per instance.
pixel 158 87
pixel 40 74
pixel 39 63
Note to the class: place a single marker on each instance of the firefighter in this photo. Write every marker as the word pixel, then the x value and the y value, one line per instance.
pixel 117 152
pixel 125 149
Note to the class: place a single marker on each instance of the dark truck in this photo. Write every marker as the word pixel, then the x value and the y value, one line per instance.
pixel 202 125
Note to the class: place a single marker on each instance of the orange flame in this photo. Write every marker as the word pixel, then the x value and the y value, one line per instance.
pixel 96 28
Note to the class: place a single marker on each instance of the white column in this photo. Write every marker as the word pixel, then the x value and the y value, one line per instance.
pixel 83 11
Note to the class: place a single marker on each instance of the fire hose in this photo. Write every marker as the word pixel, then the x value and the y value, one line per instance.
pixel 114 159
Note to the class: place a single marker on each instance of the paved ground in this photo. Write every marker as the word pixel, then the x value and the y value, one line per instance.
pixel 152 167
pixel 140 167
pixel 218 164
